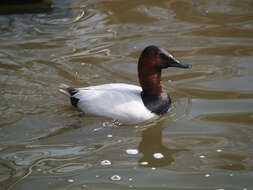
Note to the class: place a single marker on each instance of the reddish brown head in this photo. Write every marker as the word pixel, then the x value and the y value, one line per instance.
pixel 150 65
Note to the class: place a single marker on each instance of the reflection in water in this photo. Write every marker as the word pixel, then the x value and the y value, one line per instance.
pixel 155 153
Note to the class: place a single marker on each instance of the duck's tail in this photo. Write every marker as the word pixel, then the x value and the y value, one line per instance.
pixel 67 90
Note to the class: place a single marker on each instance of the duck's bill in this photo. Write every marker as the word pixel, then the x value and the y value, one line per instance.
pixel 180 65
pixel 170 61
pixel 175 63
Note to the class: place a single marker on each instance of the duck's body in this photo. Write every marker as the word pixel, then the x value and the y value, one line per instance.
pixel 117 100
pixel 127 103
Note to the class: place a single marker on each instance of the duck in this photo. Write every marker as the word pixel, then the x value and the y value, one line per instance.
pixel 128 103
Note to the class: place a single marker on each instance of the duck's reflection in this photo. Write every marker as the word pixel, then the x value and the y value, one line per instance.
pixel 155 154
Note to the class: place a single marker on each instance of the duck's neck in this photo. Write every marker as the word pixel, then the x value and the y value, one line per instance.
pixel 150 81
pixel 153 95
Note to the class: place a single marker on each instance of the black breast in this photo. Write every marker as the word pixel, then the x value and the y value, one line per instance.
pixel 156 104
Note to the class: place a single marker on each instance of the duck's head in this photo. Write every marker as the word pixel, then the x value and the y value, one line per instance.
pixel 159 58
pixel 151 62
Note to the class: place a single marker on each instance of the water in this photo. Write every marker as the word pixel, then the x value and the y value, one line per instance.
pixel 205 142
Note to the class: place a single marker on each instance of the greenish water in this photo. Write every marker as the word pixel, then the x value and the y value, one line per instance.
pixel 204 143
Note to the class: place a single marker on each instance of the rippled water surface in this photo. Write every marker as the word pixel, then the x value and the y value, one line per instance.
pixel 205 142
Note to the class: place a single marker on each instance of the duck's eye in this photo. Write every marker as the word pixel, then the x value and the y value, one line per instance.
pixel 163 56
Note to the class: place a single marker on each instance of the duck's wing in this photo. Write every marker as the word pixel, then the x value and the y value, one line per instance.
pixel 118 101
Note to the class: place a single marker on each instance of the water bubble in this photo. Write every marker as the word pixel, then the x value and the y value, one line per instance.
pixel 207 175
pixel 84 186
pixel 202 156
pixel 70 180
pixel 218 150
pixel 97 129
pixel 130 179
pixel 106 163
pixel 153 168
pixel 115 178
pixel 132 151
pixel 144 163
pixel 97 176
pixel 158 155
pixel 109 135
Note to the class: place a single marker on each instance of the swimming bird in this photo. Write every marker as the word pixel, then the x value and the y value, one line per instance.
pixel 127 103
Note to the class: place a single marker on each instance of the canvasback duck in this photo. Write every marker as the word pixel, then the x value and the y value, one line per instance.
pixel 129 104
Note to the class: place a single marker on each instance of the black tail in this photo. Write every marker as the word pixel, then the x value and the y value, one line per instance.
pixel 69 91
